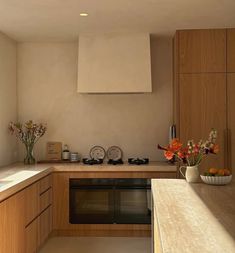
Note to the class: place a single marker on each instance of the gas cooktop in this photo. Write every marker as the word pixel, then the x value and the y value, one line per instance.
pixel 138 161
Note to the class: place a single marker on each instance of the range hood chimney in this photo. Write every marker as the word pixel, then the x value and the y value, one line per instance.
pixel 114 63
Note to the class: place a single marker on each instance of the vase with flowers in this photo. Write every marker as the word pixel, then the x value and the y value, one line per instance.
pixel 29 133
pixel 192 155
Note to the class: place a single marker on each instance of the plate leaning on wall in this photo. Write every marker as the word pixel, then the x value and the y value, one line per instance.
pixel 216 180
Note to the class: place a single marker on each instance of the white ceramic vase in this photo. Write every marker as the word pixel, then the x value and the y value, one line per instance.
pixel 191 173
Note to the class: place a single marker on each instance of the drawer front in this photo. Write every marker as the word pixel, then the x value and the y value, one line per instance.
pixel 45 226
pixel 31 234
pixel 45 184
pixel 45 199
pixel 31 202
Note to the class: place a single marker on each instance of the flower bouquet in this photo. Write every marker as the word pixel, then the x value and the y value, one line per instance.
pixel 29 134
pixel 194 152
pixel 191 155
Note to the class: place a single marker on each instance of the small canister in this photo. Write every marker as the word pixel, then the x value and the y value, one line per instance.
pixel 74 157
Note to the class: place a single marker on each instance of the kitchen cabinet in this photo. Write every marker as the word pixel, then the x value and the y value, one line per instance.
pixel 38 213
pixel 44 226
pixel 25 218
pixel 231 118
pixel 231 50
pixel 12 236
pixel 31 202
pixel 202 51
pixel 200 88
pixel 31 235
pixel 202 105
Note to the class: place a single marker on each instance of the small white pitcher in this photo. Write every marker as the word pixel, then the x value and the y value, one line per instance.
pixel 191 173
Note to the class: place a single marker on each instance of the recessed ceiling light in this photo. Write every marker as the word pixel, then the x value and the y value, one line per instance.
pixel 83 14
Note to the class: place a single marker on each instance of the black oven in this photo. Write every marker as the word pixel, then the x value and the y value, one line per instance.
pixel 108 201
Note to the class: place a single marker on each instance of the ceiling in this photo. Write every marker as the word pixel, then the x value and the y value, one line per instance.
pixel 59 20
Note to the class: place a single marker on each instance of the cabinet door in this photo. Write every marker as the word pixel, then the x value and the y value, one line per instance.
pixel 31 232
pixel 45 226
pixel 202 107
pixel 231 50
pixel 31 202
pixel 12 236
pixel 231 118
pixel 202 51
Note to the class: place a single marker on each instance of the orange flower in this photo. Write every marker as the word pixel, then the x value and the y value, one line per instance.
pixel 169 155
pixel 216 149
pixel 181 154
pixel 175 145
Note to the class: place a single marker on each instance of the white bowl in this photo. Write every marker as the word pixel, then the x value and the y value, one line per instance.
pixel 216 180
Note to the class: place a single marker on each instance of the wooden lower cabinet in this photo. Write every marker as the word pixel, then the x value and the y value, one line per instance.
pixel 12 236
pixel 37 232
pixel 31 236
pixel 44 226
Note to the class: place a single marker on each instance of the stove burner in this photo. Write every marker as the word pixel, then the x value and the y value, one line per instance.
pixel 92 161
pixel 115 162
pixel 138 161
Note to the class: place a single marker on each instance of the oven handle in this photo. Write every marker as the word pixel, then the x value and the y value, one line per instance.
pixel 133 187
pixel 91 187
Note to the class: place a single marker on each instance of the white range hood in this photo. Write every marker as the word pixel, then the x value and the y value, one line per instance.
pixel 114 63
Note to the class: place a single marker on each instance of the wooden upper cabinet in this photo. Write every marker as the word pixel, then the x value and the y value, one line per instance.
pixel 202 106
pixel 231 118
pixel 202 51
pixel 231 50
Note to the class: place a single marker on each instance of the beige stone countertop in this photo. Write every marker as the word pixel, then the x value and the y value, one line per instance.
pixel 16 177
pixel 193 218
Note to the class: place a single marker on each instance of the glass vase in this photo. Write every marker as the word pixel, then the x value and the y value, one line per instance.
pixel 29 158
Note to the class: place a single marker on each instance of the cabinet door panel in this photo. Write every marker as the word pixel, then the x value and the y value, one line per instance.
pixel 202 107
pixel 202 51
pixel 45 226
pixel 31 232
pixel 12 237
pixel 231 50
pixel 231 118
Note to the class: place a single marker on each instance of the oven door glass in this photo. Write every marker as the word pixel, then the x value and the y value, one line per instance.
pixel 132 206
pixel 91 206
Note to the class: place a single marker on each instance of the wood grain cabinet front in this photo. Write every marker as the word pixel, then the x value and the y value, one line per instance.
pixel 12 236
pixel 31 236
pixel 45 226
pixel 38 201
pixel 231 50
pixel 202 51
pixel 231 119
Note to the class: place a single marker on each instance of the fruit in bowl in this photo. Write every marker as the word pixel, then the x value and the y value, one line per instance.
pixel 217 176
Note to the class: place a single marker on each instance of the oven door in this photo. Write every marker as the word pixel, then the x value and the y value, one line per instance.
pixel 91 204
pixel 132 202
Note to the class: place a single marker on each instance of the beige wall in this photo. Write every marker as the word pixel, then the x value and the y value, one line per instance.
pixel 47 80
pixel 8 112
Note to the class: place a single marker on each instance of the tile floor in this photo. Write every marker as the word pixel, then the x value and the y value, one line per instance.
pixel 97 245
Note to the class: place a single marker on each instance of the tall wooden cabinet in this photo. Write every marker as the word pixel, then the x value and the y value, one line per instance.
pixel 204 92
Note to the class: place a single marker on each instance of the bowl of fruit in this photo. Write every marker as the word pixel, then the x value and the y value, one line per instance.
pixel 217 176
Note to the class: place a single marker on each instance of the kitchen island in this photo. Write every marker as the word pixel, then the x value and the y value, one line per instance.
pixel 193 217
